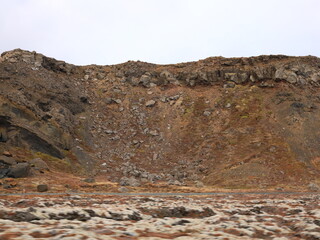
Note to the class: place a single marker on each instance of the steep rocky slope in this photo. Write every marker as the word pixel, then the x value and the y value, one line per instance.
pixel 237 122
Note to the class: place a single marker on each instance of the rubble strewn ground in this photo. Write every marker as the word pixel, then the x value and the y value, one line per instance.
pixel 226 216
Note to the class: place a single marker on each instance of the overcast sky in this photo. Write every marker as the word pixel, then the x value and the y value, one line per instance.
pixel 159 31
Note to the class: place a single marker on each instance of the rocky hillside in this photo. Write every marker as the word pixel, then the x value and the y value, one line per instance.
pixel 227 122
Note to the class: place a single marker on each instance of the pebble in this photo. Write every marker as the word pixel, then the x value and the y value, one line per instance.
pixel 150 103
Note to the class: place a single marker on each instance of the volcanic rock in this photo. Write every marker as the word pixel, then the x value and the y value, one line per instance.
pixel 39 164
pixel 150 103
pixel 42 188
pixel 19 170
pixel 7 160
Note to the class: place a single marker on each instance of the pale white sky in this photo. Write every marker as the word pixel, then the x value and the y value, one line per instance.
pixel 159 31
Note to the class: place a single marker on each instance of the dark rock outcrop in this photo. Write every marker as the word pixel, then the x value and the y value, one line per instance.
pixel 19 170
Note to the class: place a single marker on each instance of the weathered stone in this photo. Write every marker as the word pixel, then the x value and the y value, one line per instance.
pixel 123 189
pixel 199 184
pixel 109 131
pixel 19 170
pixel 154 133
pixel 108 100
pixel 3 135
pixel 7 154
pixel 42 188
pixel 174 182
pixel 314 187
pixel 150 103
pixel 230 84
pixel 174 98
pixel 39 164
pixel 237 77
pixel 89 180
pixel 118 101
pixel 132 182
pixel 180 212
pixel 283 74
pixel 145 80
pixel 266 85
pixel 7 160
pixel 3 172
pixel 207 113
pixel 21 217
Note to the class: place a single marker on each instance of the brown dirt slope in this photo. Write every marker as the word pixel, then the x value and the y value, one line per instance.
pixel 228 122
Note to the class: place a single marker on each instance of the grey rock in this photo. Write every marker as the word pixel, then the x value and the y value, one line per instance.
pixel 22 217
pixel 108 131
pixel 7 160
pixel 163 99
pixel 150 103
pixel 266 85
pixel 236 77
pixel 154 133
pixel 123 189
pixel 155 157
pixel 206 113
pixel 174 182
pixel 89 180
pixel 3 135
pixel 314 187
pixel 19 170
pixel 108 100
pixel 145 80
pixel 230 85
pixel 39 164
pixel 3 172
pixel 174 98
pixel 118 101
pixel 181 222
pixel 153 177
pixel 287 75
pixel 199 184
pixel 132 182
pixel 42 188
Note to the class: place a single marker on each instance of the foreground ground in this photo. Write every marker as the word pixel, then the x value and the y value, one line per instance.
pixel 225 216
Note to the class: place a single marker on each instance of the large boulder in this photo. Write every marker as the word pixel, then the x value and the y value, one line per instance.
pixel 132 182
pixel 3 172
pixel 39 164
pixel 19 170
pixel 7 160
pixel 42 188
